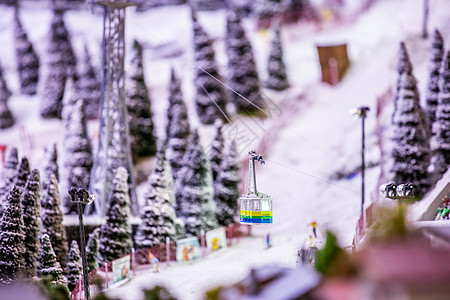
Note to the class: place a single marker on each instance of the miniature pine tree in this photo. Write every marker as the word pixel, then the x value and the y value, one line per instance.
pixel 216 152
pixel 115 235
pixel 158 215
pixel 61 36
pixel 48 263
pixel 6 117
pixel 210 98
pixel 411 144
pixel 434 65
pixel 226 187
pixel 74 266
pixel 92 250
pixel 440 142
pixel 90 88
pixel 142 138
pixel 52 218
pixel 31 204
pixel 50 164
pixel 178 128
pixel 8 176
pixel 27 59
pixel 275 67
pixel 11 239
pixel 194 199
pixel 22 173
pixel 242 73
pixel 266 8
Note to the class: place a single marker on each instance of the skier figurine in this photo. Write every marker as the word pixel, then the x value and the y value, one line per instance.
pixel 155 262
pixel 268 240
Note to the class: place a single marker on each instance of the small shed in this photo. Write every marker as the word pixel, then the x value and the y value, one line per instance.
pixel 333 62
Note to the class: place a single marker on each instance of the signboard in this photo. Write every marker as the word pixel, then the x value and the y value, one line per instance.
pixel 216 239
pixel 188 249
pixel 121 268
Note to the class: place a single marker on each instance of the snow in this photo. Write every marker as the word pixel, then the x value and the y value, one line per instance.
pixel 308 136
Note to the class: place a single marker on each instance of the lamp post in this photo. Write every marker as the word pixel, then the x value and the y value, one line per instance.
pixel 80 197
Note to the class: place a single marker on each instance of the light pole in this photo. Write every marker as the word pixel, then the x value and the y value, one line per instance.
pixel 80 196
pixel 397 192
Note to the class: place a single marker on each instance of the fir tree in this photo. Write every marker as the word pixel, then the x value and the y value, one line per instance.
pixel 27 59
pixel 195 204
pixel 242 73
pixel 74 266
pixel 434 65
pixel 411 145
pixel 440 142
pixel 142 138
pixel 90 87
pixel 92 250
pixel 226 187
pixel 275 67
pixel 52 220
pixel 48 263
pixel 216 152
pixel 31 204
pixel 61 36
pixel 210 97
pixel 178 128
pixel 22 173
pixel 50 164
pixel 12 238
pixel 158 215
pixel 6 117
pixel 115 235
pixel 8 176
pixel 267 8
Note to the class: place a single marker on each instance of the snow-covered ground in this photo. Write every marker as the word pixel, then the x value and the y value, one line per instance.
pixel 308 136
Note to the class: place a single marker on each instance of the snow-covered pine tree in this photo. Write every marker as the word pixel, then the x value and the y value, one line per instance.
pixel 275 66
pixel 50 165
pixel 142 138
pixel 74 266
pixel 411 144
pixel 242 73
pixel 22 173
pixel 216 153
pixel 158 215
pixel 52 218
pixel 8 176
pixel 440 142
pixel 115 235
pixel 92 250
pixel 226 187
pixel 77 146
pixel 210 97
pixel 90 87
pixel 26 57
pixel 31 205
pixel 207 5
pixel 61 36
pixel 267 8
pixel 48 263
pixel 194 199
pixel 12 238
pixel 6 117
pixel 434 64
pixel 178 128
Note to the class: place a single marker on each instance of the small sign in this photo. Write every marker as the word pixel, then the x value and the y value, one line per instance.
pixel 188 249
pixel 121 268
pixel 216 239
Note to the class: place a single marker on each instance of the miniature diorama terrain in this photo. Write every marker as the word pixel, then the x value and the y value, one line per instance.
pixel 295 149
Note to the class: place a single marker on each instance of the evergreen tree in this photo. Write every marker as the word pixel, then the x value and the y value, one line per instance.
pixel 275 67
pixel 267 8
pixel 440 142
pixel 226 187
pixel 178 128
pixel 74 266
pixel 8 176
pixel 92 250
pixel 242 73
pixel 210 98
pixel 90 87
pixel 52 220
pixel 434 65
pixel 50 164
pixel 115 235
pixel 158 215
pixel 48 263
pixel 27 59
pixel 6 117
pixel 22 173
pixel 411 144
pixel 216 152
pixel 31 204
pixel 194 199
pixel 11 239
pixel 142 139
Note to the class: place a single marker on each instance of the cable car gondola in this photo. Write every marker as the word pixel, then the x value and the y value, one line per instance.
pixel 255 207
